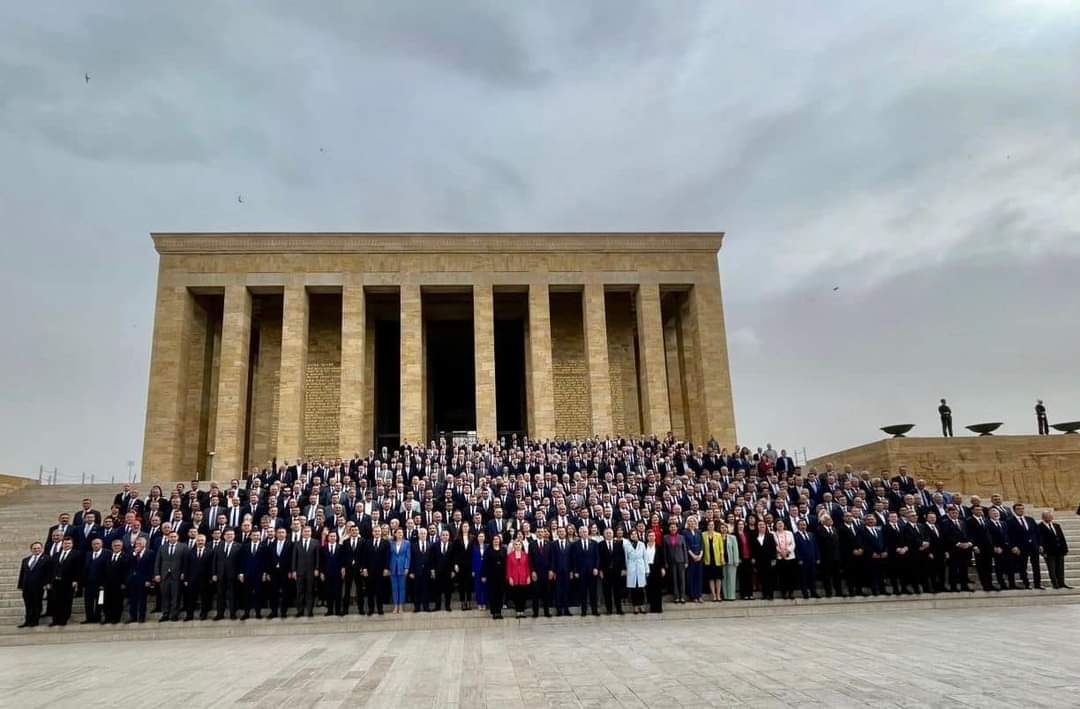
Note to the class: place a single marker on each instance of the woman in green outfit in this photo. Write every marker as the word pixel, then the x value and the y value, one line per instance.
pixel 731 561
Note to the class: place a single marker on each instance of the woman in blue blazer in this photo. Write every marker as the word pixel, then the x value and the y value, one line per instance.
pixel 479 549
pixel 400 553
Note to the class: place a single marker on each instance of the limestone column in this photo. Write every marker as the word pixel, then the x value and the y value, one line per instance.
pixel 541 380
pixel 655 408
pixel 352 436
pixel 294 347
pixel 412 365
pixel 596 350
pixel 679 425
pixel 233 383
pixel 484 356
pixel 709 340
pixel 163 444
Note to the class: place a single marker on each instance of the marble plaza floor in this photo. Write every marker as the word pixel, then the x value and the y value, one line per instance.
pixel 1025 656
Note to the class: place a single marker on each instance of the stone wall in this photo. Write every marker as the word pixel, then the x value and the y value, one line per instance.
pixel 570 370
pixel 1039 470
pixel 12 483
pixel 625 404
pixel 322 377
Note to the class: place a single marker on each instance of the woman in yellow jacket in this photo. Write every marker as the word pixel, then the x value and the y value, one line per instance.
pixel 713 558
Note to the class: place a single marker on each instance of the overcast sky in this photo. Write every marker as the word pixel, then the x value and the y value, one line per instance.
pixel 925 158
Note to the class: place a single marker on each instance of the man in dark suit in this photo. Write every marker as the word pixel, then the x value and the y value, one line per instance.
pixel 65 578
pixel 64 527
pixel 93 582
pixel 959 546
pixel 168 574
pixel 34 573
pixel 352 562
pixel 278 569
pixel 89 529
pixel 852 556
pixel 332 572
pixel 1002 550
pixel 807 557
pixel 442 570
pixel 117 568
pixel 934 551
pixel 872 541
pixel 140 579
pixel 540 559
pixel 305 564
pixel 1024 535
pixel 562 566
pixel 377 570
pixel 226 569
pixel 612 572
pixel 250 578
pixel 829 564
pixel 419 570
pixel 1054 547
pixel 899 555
pixel 585 563
pixel 197 573
pixel 978 530
pixel 80 516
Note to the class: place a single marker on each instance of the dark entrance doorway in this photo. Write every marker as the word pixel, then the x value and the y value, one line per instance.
pixel 383 309
pixel 451 376
pixel 510 395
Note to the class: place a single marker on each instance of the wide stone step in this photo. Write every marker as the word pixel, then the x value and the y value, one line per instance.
pixel 153 630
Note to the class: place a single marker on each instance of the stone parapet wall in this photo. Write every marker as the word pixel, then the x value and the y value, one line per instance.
pixel 1039 470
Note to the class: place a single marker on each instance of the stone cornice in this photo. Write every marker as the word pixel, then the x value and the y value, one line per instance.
pixel 434 242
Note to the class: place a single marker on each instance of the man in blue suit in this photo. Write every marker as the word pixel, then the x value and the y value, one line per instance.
pixel 249 584
pixel 331 571
pixel 1024 535
pixel 806 553
pixel 585 563
pixel 140 576
pixel 419 568
pixel 872 542
pixel 561 564
pixel 540 557
pixel 94 581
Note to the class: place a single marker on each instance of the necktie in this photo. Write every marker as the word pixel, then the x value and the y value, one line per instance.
pixel 331 550
pixel 227 546
pixel 63 555
pixel 306 544
pixel 1023 522
pixel 115 558
pixel 172 549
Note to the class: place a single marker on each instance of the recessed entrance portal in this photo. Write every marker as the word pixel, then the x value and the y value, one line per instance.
pixel 451 375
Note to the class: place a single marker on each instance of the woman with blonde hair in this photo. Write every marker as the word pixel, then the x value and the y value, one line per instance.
pixel 712 557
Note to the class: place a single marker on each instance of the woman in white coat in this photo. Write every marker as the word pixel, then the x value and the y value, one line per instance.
pixel 636 569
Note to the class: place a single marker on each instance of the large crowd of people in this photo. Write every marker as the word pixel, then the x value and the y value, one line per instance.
pixel 554 527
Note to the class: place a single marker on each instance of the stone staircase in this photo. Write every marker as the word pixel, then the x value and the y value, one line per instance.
pixel 26 515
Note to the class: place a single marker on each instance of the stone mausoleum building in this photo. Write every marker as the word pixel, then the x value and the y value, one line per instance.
pixel 290 345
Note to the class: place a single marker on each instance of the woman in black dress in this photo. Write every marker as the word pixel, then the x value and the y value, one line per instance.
pixel 494 575
pixel 763 551
pixel 463 557
pixel 657 562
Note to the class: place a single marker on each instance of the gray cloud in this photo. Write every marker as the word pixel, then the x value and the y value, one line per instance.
pixel 926 161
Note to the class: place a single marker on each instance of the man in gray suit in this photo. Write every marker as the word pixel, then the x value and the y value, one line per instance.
pixel 168 574
pixel 305 562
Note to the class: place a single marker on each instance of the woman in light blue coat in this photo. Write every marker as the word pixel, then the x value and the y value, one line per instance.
pixel 400 555
pixel 731 562
pixel 636 569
